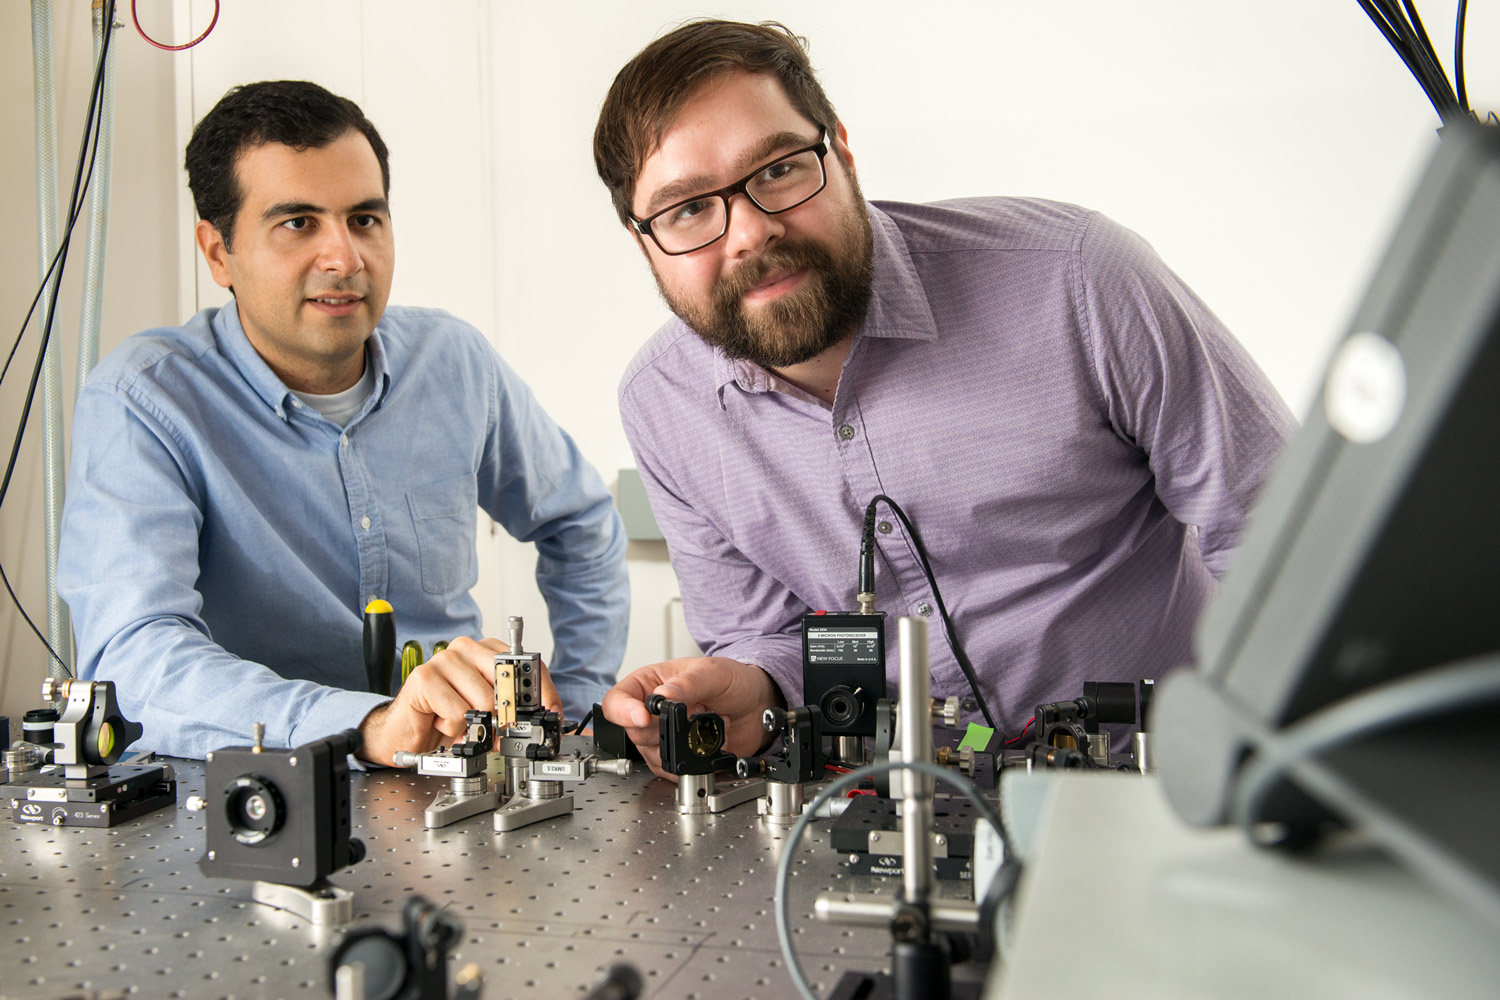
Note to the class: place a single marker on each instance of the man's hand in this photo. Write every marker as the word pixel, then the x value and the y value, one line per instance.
pixel 738 692
pixel 428 711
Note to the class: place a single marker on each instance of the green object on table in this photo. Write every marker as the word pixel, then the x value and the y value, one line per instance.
pixel 411 658
pixel 978 737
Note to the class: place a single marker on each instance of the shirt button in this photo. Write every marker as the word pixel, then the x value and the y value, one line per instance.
pixel 970 705
pixel 297 404
pixel 846 432
pixel 343 440
pixel 884 527
pixel 924 609
pixel 364 522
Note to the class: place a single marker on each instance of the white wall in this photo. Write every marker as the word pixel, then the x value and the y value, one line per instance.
pixel 1265 150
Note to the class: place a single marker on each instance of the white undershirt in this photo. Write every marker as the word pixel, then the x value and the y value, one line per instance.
pixel 341 407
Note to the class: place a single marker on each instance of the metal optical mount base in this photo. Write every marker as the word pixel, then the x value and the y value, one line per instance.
pixel 464 765
pixel 466 797
pixel 849 751
pixel 323 905
pixel 540 800
pixel 782 804
pixel 698 793
pixel 117 795
pixel 542 797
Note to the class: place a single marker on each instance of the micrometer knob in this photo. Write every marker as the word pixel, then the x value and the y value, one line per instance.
pixel 946 711
pixel 405 758
pixel 619 766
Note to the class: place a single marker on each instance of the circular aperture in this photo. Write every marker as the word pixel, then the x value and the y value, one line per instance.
pixel 840 706
pixel 705 735
pixel 253 808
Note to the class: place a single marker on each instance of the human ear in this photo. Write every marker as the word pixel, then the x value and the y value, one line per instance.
pixel 640 241
pixel 841 147
pixel 215 252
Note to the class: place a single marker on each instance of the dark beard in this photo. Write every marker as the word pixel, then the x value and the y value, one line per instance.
pixel 803 323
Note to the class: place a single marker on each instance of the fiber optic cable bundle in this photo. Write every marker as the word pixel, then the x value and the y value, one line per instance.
pixel 1402 27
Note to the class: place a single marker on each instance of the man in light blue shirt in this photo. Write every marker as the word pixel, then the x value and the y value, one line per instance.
pixel 243 486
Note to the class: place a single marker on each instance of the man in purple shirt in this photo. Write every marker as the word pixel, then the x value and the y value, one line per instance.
pixel 1075 436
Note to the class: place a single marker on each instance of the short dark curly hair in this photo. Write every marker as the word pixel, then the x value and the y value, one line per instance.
pixel 654 86
pixel 294 113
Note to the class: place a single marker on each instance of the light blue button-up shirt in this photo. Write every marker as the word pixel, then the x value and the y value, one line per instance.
pixel 221 539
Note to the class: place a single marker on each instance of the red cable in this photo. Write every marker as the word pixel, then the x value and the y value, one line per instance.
pixel 1022 733
pixel 173 48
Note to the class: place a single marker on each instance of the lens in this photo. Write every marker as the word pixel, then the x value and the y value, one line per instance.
pixel 787 183
pixel 705 734
pixel 690 225
pixel 253 809
pixel 384 960
pixel 840 706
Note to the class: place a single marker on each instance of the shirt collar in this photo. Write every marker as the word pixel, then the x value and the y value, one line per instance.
pixel 380 361
pixel 265 383
pixel 898 309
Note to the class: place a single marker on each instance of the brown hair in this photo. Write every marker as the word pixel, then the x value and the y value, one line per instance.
pixel 653 87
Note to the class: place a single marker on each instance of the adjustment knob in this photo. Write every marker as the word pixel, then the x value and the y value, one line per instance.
pixel 946 711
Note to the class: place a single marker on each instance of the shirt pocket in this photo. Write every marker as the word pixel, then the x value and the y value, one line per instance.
pixel 443 520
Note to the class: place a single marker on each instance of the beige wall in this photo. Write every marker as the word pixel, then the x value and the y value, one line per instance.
pixel 140 275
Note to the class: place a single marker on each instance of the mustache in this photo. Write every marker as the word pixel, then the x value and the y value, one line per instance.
pixel 781 257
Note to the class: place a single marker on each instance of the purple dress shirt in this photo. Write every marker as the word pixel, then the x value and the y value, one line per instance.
pixel 1076 437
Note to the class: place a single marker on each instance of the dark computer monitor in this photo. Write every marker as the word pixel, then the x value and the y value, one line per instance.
pixel 1373 558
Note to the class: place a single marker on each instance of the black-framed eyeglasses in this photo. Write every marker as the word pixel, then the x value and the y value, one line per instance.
pixel 775 187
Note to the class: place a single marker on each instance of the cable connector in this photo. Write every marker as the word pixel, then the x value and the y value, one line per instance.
pixel 866 595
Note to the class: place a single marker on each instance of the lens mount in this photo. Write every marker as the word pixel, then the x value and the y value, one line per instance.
pixel 254 809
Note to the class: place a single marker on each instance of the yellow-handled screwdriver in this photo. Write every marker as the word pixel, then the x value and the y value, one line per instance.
pixel 411 658
pixel 380 645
